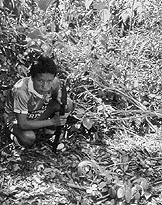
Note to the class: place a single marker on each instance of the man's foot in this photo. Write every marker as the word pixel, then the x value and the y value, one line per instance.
pixel 14 139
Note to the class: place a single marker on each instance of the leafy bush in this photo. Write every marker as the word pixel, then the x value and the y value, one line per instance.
pixel 109 52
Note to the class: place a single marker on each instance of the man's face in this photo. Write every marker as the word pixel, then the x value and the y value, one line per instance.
pixel 42 83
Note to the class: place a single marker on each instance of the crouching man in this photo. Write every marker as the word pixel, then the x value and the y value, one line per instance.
pixel 29 104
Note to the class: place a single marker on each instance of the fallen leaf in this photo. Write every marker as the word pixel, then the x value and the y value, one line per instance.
pixel 121 192
pixel 87 123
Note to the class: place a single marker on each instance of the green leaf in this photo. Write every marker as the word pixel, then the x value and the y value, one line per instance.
pixel 88 3
pixel 137 196
pixel 2 76
pixel 89 190
pixel 144 183
pixel 103 61
pixel 16 167
pixel 23 2
pixel 52 175
pixel 1 3
pixel 126 14
pixel 100 108
pixel 49 189
pixel 142 47
pixel 128 194
pixel 158 97
pixel 80 111
pixel 136 5
pixel 109 178
pixel 99 5
pixel 1 169
pixel 147 195
pixel 121 192
pixel 105 15
pixel 22 70
pixel 60 146
pixel 44 4
pixel 53 27
pixel 102 185
pixel 82 165
pixel 47 170
pixel 124 160
pixel 36 34
pixel 112 192
pixel 87 123
pixel 104 43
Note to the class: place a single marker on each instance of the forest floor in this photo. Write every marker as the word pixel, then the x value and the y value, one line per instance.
pixel 125 169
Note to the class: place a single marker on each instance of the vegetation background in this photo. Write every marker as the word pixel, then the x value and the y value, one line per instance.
pixel 110 54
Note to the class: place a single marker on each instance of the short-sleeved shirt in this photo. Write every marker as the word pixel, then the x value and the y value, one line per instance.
pixel 24 99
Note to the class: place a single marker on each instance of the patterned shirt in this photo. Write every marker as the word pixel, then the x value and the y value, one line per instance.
pixel 24 99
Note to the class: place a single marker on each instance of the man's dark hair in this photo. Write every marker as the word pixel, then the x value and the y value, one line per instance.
pixel 43 65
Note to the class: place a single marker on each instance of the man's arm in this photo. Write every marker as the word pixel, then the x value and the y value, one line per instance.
pixel 25 124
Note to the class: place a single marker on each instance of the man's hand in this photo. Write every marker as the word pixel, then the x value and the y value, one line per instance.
pixel 59 120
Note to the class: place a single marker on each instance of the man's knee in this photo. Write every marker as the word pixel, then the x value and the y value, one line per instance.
pixel 27 138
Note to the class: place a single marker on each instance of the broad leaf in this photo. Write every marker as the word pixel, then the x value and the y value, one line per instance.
pixel 105 15
pixel 82 165
pixel 128 194
pixel 87 123
pixel 88 3
pixel 53 27
pixel 124 160
pixel 44 4
pixel 22 70
pixel 126 14
pixel 1 3
pixel 112 192
pixel 2 76
pixel 99 5
pixel 36 34
pixel 147 195
pixel 144 183
pixel 47 170
pixel 137 196
pixel 121 192
pixel 142 47
pixel 102 185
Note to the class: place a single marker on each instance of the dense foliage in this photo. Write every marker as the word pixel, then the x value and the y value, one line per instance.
pixel 110 54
